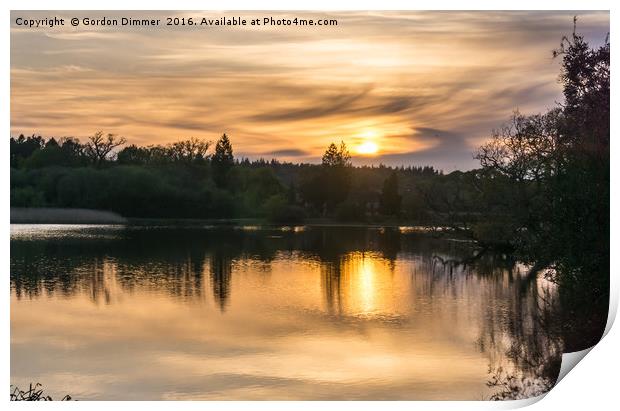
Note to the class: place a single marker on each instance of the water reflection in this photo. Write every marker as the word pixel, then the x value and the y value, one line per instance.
pixel 220 273
pixel 312 313
pixel 359 284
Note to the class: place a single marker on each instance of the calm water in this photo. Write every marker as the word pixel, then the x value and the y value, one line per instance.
pixel 110 312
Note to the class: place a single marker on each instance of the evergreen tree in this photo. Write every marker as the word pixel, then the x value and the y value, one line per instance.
pixel 222 160
pixel 337 157
pixel 335 176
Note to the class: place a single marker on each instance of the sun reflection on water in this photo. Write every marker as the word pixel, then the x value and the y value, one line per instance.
pixel 304 314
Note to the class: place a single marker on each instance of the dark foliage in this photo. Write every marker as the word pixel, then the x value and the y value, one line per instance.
pixel 558 166
pixel 182 180
pixel 390 200
pixel 222 160
pixel 33 393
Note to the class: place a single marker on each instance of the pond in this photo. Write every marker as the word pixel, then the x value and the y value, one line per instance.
pixel 251 313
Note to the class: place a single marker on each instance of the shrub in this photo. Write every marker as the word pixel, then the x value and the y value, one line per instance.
pixel 277 210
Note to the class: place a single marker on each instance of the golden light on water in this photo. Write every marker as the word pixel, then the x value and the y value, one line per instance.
pixel 366 278
pixel 367 285
pixel 361 324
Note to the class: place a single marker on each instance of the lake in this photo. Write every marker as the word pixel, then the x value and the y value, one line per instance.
pixel 252 313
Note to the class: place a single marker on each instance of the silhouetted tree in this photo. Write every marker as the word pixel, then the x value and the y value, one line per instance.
pixel 524 149
pixel 99 147
pixel 49 155
pixel 222 160
pixel 72 150
pixel 559 163
pixel 336 156
pixel 133 155
pixel 580 213
pixel 22 147
pixel 192 150
pixel 336 175
pixel 52 143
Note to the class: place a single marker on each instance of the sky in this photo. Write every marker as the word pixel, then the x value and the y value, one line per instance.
pixel 399 88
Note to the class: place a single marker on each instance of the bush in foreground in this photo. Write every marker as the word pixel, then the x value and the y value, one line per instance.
pixel 34 393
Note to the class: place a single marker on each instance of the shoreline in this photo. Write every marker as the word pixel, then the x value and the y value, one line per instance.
pixel 69 216
pixel 51 215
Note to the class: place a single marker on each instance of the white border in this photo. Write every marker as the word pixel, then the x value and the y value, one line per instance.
pixel 594 383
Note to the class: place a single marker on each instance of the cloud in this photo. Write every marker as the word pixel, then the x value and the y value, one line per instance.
pixel 429 85
pixel 292 152
pixel 330 105
pixel 445 149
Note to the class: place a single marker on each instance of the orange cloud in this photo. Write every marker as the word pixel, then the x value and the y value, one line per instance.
pixel 292 90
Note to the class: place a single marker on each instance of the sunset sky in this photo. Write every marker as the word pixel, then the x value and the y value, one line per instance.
pixel 400 88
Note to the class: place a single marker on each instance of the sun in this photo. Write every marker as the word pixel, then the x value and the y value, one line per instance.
pixel 367 142
pixel 367 147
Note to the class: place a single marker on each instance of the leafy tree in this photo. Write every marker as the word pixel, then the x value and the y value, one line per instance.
pixel 222 160
pixel 66 153
pixel 252 187
pixel 192 150
pixel 23 147
pixel 73 151
pixel 50 155
pixel 278 210
pixel 133 155
pixel 52 143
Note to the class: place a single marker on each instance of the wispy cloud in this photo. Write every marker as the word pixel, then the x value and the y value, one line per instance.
pixel 426 86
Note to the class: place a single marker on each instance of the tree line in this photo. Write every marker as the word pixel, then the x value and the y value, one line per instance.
pixel 186 179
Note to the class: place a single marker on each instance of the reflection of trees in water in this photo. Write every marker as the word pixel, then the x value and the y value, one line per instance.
pixel 220 272
pixel 516 312
pixel 389 244
pixel 330 284
pixel 39 269
pixel 340 252
pixel 172 260
pixel 99 288
pixel 31 269
pixel 520 330
pixel 355 284
pixel 535 347
pixel 518 324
